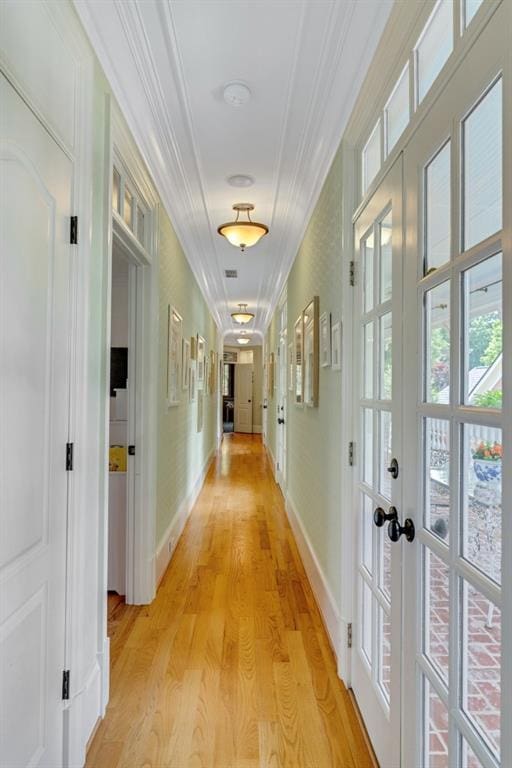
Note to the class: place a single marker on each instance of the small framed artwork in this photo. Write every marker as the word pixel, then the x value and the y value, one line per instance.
pixel 201 353
pixel 213 373
pixel 193 348
pixel 290 366
pixel 200 411
pixel 271 374
pixel 325 340
pixel 297 360
pixel 185 363
pixel 310 353
pixel 192 390
pixel 174 355
pixel 336 346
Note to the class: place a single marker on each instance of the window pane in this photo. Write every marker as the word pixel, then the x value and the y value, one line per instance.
pixel 367 622
pixel 397 111
pixel 436 600
pixel 116 190
pixel 469 759
pixel 481 647
pixel 384 652
pixel 368 360
pixel 437 481
pixel 436 729
pixel 437 305
pixel 437 210
pixel 385 454
pixel 385 562
pixel 128 208
pixel 481 521
pixel 483 334
pixel 386 356
pixel 483 169
pixel 471 7
pixel 386 258
pixel 368 445
pixel 368 257
pixel 367 534
pixel 434 46
pixel 371 157
pixel 140 225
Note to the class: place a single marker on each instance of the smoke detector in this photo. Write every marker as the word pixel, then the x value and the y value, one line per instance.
pixel 236 93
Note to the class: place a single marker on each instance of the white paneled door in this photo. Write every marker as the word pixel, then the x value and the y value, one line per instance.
pixel 35 198
pixel 433 605
pixel 282 393
pixel 243 397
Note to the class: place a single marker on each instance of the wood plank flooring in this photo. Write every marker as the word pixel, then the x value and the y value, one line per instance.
pixel 230 667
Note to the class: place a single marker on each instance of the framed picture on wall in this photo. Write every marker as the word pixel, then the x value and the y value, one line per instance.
pixel 200 396
pixel 201 356
pixel 193 348
pixel 271 374
pixel 297 360
pixel 310 352
pixel 336 346
pixel 185 364
pixel 192 381
pixel 290 366
pixel 325 340
pixel 174 355
pixel 213 373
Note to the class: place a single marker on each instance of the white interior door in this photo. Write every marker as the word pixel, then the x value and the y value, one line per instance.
pixel 282 412
pixel 457 418
pixel 378 391
pixel 35 197
pixel 243 397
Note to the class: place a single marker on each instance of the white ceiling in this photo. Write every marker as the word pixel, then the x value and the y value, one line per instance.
pixel 304 62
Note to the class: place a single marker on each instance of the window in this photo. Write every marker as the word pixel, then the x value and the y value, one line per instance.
pixel 371 157
pixel 228 380
pixel 396 111
pixel 116 190
pixel 434 47
pixel 470 8
pixel 437 210
pixel 127 202
pixel 482 185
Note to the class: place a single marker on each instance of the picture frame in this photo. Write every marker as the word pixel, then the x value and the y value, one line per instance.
pixel 290 367
pixel 213 373
pixel 297 361
pixel 201 356
pixel 192 391
pixel 193 348
pixel 311 353
pixel 336 334
pixel 174 355
pixel 200 405
pixel 271 374
pixel 185 364
pixel 325 340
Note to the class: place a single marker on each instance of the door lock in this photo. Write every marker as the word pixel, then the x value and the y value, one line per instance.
pixel 393 469
pixel 131 450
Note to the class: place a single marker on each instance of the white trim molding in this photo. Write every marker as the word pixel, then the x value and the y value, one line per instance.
pixel 169 540
pixel 317 579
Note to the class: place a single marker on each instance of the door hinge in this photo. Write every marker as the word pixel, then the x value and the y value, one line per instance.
pixel 65 685
pixel 349 635
pixel 73 230
pixel 351 453
pixel 69 457
pixel 352 273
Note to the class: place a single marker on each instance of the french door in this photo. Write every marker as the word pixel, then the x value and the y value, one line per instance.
pixel 431 667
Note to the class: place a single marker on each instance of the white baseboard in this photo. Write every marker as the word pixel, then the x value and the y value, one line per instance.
pixel 167 543
pixel 80 718
pixel 272 461
pixel 326 602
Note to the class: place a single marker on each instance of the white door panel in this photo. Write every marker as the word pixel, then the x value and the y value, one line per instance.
pixel 35 194
pixel 243 397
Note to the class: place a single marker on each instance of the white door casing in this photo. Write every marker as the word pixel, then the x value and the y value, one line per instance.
pixel 282 410
pixel 243 397
pixel 36 183
pixel 376 658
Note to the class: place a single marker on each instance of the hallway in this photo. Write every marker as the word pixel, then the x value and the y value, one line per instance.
pixel 230 666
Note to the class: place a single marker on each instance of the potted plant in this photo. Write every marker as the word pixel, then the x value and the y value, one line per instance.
pixel 487 461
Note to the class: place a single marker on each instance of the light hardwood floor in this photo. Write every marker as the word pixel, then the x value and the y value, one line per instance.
pixel 230 667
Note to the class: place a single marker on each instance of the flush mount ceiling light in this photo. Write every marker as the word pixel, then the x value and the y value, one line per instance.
pixel 242 316
pixel 240 180
pixel 243 340
pixel 236 93
pixel 243 234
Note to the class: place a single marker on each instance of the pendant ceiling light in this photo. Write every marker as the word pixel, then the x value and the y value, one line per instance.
pixel 243 234
pixel 242 316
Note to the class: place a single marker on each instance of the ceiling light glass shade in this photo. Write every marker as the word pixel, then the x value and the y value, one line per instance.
pixel 243 341
pixel 243 234
pixel 242 316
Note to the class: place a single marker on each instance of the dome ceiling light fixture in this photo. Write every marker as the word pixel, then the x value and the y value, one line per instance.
pixel 243 340
pixel 242 317
pixel 243 234
pixel 240 180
